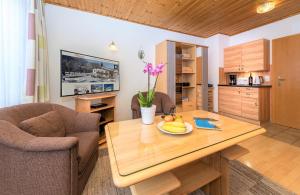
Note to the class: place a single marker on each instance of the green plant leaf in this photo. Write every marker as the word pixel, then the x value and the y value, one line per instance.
pixel 150 96
pixel 142 100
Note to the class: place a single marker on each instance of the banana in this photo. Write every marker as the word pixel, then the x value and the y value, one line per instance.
pixel 179 119
pixel 173 129
pixel 175 124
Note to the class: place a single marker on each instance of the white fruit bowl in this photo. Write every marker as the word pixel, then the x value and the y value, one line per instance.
pixel 189 128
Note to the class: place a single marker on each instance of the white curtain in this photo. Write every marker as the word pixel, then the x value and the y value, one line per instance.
pixel 13 37
pixel 23 53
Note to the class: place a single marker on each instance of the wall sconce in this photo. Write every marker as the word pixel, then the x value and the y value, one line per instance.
pixel 112 46
pixel 141 54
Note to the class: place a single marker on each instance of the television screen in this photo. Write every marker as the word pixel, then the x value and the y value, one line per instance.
pixel 84 74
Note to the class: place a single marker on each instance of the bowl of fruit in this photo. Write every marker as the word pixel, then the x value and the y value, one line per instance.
pixel 175 125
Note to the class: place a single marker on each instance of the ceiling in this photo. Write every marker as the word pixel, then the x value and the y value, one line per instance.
pixel 202 18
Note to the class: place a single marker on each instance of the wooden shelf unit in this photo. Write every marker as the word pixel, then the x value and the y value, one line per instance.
pixel 83 104
pixel 200 98
pixel 180 60
pixel 184 67
pixel 182 180
pixel 194 176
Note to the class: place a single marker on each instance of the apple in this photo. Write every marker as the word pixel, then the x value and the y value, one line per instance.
pixel 169 118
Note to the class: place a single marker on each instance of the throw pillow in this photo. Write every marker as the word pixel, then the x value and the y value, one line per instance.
pixel 49 124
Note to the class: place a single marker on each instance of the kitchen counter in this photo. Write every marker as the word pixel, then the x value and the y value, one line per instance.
pixel 209 85
pixel 254 86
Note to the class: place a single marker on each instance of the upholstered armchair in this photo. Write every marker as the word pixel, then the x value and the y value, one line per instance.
pixel 163 102
pixel 30 164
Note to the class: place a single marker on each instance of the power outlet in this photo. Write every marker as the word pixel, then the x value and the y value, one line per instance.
pixel 267 78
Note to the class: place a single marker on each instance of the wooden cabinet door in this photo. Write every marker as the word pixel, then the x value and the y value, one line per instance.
pixel 250 108
pixel 199 97
pixel 230 100
pixel 285 81
pixel 199 70
pixel 250 103
pixel 232 59
pixel 255 56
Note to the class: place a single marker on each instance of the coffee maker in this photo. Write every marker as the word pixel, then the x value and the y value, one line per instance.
pixel 232 79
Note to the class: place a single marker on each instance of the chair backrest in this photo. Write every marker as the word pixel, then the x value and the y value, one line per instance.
pixel 162 101
pixel 16 114
pixel 19 113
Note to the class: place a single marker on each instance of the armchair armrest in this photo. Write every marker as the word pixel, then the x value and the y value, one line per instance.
pixel 86 122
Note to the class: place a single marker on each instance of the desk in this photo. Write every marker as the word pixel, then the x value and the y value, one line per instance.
pixel 138 152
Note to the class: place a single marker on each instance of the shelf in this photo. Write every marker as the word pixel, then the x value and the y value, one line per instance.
pixel 96 97
pixel 102 140
pixel 188 87
pixel 106 121
pixel 188 59
pixel 160 184
pixel 102 108
pixel 194 176
pixel 186 73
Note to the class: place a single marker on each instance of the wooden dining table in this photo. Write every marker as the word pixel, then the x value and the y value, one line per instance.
pixel 154 162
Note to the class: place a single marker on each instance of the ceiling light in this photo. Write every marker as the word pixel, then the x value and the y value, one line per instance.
pixel 112 46
pixel 265 7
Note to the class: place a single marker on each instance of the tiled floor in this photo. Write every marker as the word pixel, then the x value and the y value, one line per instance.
pixel 282 133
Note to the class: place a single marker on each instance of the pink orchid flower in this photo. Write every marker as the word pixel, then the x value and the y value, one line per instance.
pixel 148 68
pixel 157 70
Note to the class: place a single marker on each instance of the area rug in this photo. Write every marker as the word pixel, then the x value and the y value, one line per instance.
pixel 244 180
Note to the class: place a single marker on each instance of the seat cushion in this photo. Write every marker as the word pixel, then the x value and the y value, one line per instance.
pixel 49 124
pixel 88 143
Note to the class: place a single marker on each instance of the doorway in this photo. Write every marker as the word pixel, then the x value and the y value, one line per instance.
pixel 286 81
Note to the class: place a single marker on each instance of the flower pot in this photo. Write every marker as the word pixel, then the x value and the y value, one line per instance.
pixel 148 114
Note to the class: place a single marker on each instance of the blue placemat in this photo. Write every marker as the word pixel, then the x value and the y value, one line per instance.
pixel 205 123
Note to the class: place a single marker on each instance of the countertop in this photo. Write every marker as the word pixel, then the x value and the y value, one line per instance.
pixel 209 85
pixel 254 86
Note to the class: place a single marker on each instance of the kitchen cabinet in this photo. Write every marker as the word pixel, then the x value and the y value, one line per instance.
pixel 246 102
pixel 247 57
pixel 233 59
pixel 255 56
pixel 230 100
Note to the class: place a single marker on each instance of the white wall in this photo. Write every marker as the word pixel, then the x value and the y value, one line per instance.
pixel 216 46
pixel 89 33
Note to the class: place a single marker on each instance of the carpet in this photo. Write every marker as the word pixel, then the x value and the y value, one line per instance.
pixel 244 180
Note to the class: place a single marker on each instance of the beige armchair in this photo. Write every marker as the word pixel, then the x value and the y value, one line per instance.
pixel 46 165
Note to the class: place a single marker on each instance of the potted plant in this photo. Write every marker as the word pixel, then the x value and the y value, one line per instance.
pixel 146 100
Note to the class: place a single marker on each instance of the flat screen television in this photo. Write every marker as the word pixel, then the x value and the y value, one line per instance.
pixel 85 74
